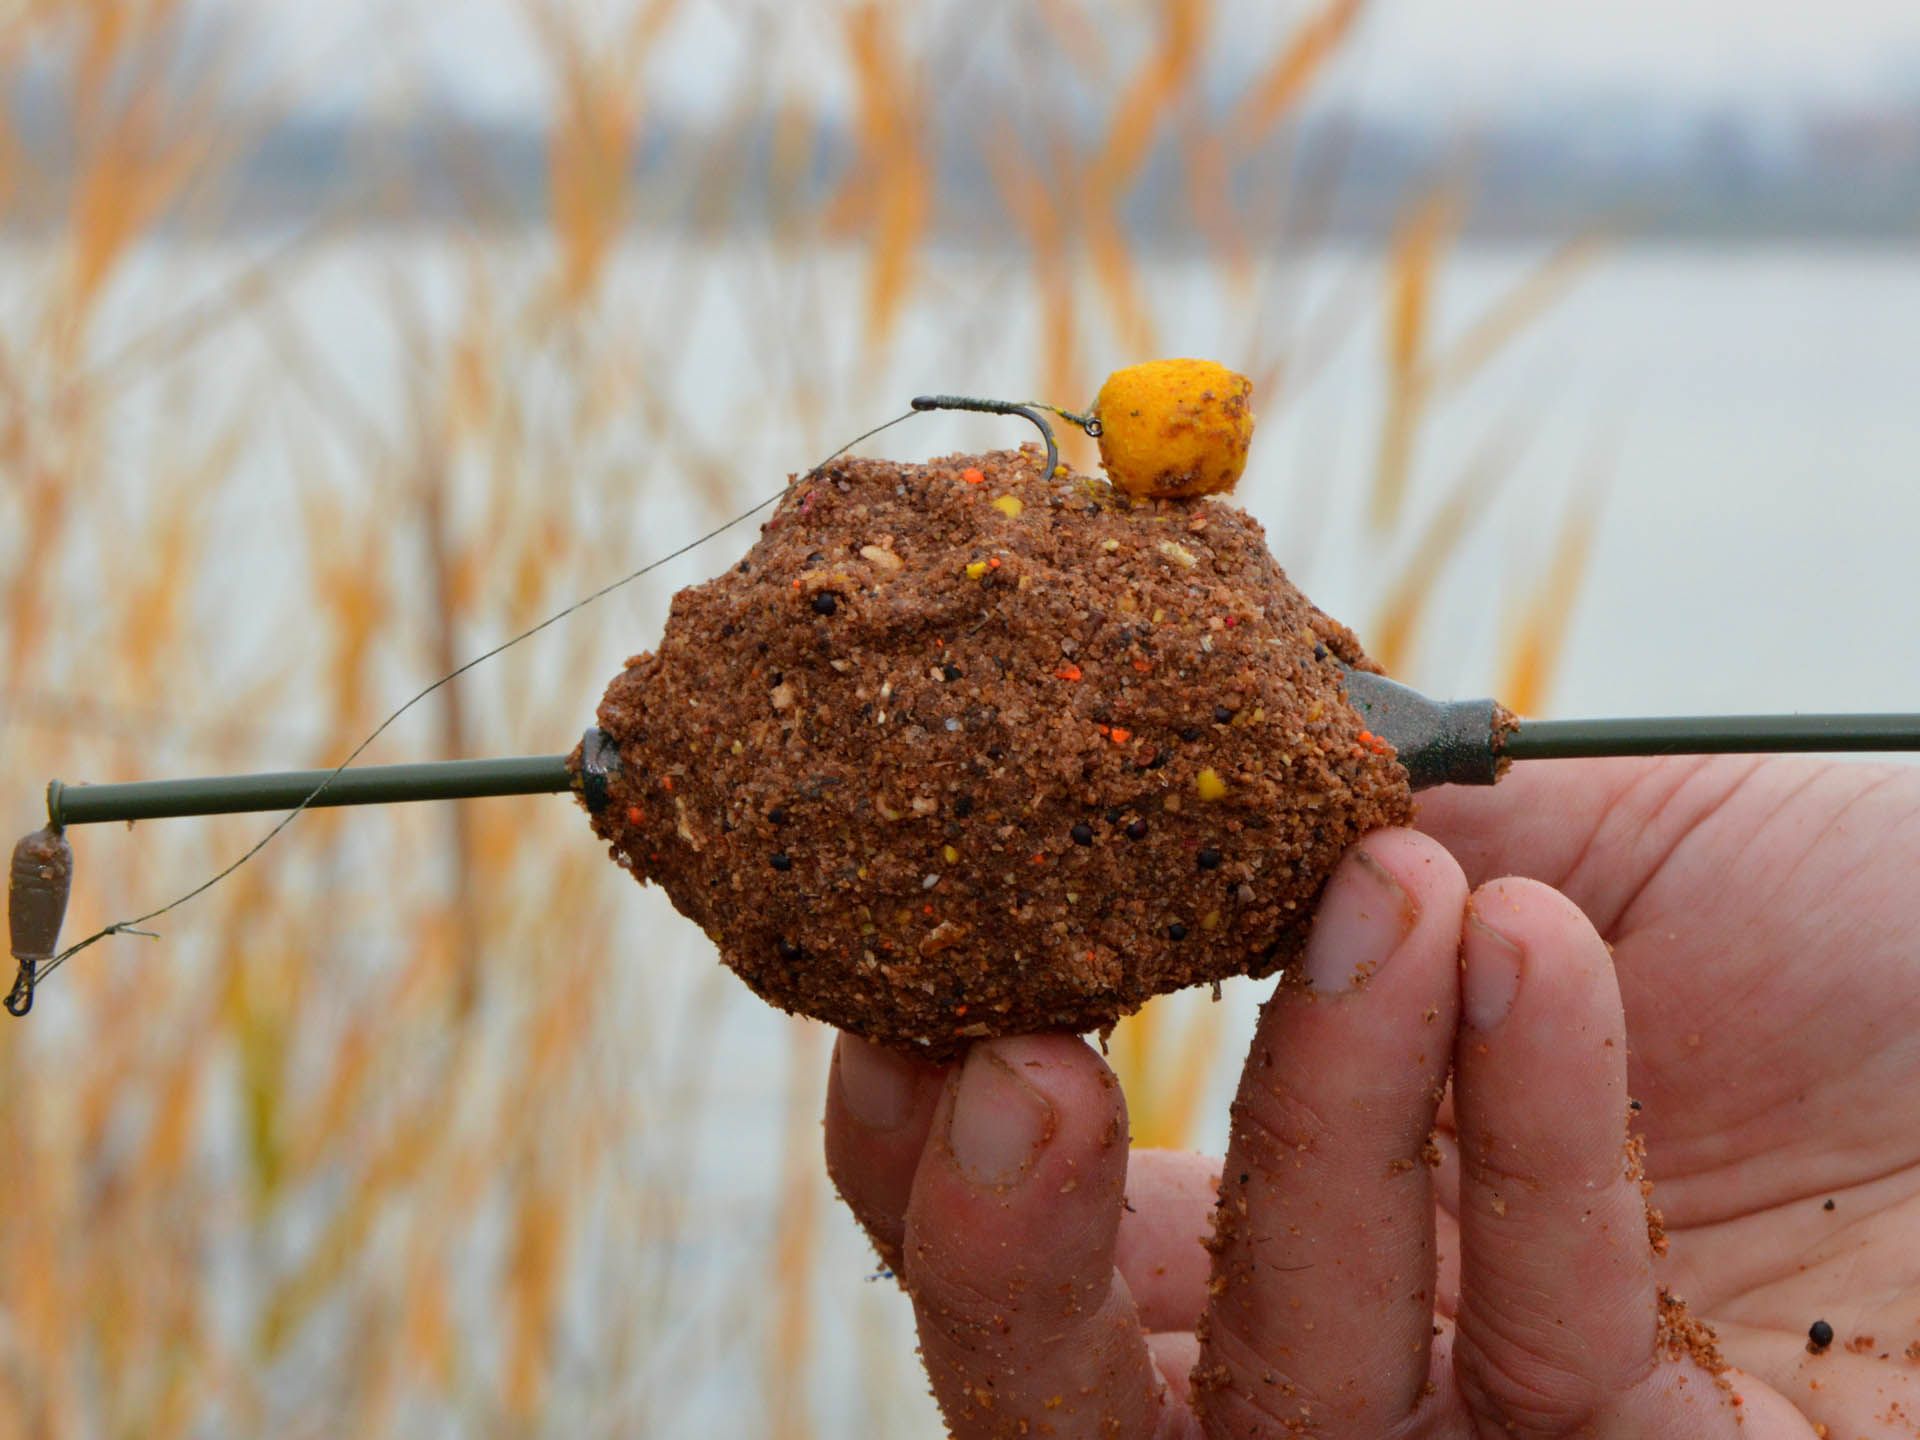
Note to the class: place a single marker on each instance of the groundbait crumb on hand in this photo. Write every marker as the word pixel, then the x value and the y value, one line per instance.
pixel 1170 429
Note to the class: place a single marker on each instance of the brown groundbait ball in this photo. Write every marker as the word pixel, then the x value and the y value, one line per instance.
pixel 962 750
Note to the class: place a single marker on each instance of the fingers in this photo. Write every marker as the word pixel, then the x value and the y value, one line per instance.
pixel 1558 1319
pixel 1161 1251
pixel 879 1106
pixel 1324 1267
pixel 1025 1326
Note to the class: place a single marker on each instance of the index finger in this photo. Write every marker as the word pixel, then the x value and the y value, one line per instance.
pixel 1324 1265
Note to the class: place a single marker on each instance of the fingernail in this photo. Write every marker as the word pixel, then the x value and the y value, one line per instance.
pixel 1362 919
pixel 1492 976
pixel 999 1124
pixel 876 1084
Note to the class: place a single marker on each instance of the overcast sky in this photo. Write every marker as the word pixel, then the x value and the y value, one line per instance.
pixel 1427 56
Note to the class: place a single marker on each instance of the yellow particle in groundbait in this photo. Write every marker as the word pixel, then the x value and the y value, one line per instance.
pixel 1174 428
pixel 1009 506
pixel 977 570
pixel 1209 784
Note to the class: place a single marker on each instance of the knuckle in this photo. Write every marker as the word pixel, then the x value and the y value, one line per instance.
pixel 1240 1390
pixel 1514 1385
pixel 1271 1127
pixel 1237 1412
pixel 965 1297
pixel 1500 1165
pixel 1537 1163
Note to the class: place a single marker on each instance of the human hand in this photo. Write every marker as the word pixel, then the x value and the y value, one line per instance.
pixel 1356 1291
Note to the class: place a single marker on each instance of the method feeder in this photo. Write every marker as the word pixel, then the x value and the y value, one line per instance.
pixel 1171 429
pixel 1460 742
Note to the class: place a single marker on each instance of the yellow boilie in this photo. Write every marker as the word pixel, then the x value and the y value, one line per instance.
pixel 1174 428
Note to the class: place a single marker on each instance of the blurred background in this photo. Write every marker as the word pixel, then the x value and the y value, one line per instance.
pixel 338 342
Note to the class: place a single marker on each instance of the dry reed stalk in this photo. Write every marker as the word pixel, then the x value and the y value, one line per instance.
pixel 533 1274
pixel 796 1242
pixel 591 145
pixel 142 161
pixel 1536 636
pixel 1146 103
pixel 1419 369
pixel 1297 65
pixel 889 188
pixel 1416 254
pixel 1409 595
pixel 1522 306
pixel 1038 208
pixel 1209 191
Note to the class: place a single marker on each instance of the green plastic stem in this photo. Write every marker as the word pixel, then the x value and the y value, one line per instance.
pixel 1712 735
pixel 283 790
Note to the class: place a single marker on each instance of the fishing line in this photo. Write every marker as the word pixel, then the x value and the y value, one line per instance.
pixel 29 978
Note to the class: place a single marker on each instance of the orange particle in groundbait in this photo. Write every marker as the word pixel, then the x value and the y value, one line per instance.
pixel 1171 429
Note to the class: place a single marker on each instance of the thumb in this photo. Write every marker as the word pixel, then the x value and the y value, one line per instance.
pixel 1009 1257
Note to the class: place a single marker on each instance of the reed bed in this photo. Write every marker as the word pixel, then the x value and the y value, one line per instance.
pixel 428 1121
